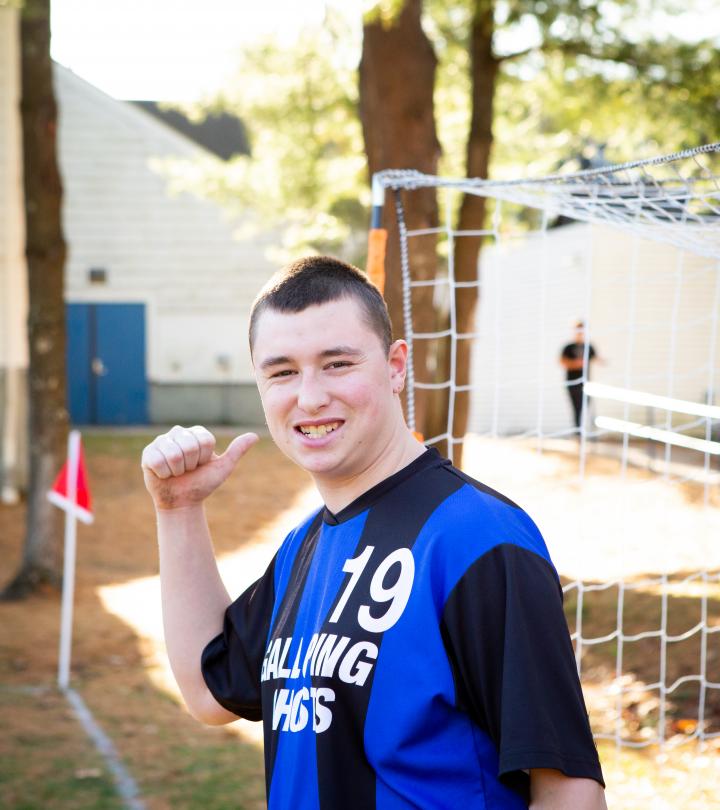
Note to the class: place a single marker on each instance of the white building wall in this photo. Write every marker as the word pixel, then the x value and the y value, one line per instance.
pixel 177 253
pixel 13 273
pixel 651 311
pixel 13 349
pixel 657 307
pixel 531 293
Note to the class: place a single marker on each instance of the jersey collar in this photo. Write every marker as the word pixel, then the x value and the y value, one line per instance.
pixel 430 458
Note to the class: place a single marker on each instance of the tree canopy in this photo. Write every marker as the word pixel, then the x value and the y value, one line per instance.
pixel 572 76
pixel 307 167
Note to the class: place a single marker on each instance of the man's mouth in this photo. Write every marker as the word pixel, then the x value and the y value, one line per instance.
pixel 318 431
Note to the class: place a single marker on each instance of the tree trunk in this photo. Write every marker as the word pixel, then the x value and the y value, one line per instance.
pixel 45 252
pixel 397 79
pixel 484 67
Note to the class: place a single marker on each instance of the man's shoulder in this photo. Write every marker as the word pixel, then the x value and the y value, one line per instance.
pixel 439 475
pixel 484 493
pixel 477 518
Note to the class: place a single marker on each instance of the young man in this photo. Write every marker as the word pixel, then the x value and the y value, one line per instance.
pixel 406 648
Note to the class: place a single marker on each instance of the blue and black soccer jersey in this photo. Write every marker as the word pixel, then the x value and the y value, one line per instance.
pixel 408 652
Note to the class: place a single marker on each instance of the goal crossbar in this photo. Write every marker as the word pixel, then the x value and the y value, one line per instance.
pixel 678 209
pixel 629 396
pixel 633 397
pixel 658 435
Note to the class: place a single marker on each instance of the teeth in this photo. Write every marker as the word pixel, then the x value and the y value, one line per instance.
pixel 316 431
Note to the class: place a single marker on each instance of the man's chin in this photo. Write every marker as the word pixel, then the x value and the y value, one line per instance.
pixel 317 467
pixel 324 467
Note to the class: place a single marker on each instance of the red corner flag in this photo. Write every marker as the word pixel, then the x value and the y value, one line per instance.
pixel 73 471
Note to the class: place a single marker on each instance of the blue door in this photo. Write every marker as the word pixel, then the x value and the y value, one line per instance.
pixel 107 384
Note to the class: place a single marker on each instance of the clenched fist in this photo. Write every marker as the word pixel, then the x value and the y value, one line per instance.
pixel 181 467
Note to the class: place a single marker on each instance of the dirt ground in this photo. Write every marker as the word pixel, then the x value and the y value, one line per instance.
pixel 119 668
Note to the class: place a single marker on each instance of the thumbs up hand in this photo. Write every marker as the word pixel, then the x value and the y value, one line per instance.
pixel 181 467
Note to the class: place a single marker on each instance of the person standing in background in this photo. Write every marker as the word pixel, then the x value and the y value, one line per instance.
pixel 573 359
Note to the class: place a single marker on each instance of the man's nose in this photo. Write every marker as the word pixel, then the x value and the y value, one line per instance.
pixel 312 394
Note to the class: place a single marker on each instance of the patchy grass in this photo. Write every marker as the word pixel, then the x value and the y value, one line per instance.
pixel 221 776
pixel 46 760
pixel 120 445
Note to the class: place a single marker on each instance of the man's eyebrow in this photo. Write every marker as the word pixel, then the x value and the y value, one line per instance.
pixel 334 351
pixel 280 360
pixel 337 350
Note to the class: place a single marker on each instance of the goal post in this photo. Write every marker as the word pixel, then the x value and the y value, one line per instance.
pixel 631 253
pixel 671 202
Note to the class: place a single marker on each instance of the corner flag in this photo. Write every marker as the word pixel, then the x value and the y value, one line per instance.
pixel 73 471
pixel 70 493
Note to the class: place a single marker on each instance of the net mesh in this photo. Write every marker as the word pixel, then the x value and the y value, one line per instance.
pixel 630 503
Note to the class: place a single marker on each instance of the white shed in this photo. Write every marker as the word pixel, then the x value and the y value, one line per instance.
pixel 651 311
pixel 176 255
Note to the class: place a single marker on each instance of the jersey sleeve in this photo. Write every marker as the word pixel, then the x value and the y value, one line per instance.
pixel 232 661
pixel 514 667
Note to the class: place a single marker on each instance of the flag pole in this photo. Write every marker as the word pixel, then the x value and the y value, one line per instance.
pixel 68 590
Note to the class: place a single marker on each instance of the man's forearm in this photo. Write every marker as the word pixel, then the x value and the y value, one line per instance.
pixel 552 790
pixel 194 600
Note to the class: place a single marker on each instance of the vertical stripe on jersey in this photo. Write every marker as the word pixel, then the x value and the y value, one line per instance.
pixel 300 548
pixel 291 569
pixel 297 786
pixel 340 748
pixel 408 745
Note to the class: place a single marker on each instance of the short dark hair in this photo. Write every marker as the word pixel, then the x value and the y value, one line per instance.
pixel 319 280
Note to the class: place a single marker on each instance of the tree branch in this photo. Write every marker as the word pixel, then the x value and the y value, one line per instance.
pixel 509 57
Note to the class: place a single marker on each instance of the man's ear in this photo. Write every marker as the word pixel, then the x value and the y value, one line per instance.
pixel 397 362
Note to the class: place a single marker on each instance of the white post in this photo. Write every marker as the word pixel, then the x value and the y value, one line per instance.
pixel 68 590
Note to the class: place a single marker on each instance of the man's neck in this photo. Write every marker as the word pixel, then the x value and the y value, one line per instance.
pixel 402 450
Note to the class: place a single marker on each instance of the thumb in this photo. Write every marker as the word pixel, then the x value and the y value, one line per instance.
pixel 237 449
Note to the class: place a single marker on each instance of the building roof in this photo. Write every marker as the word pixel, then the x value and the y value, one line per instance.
pixel 220 133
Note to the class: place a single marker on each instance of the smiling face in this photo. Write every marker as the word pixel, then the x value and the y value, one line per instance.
pixel 329 389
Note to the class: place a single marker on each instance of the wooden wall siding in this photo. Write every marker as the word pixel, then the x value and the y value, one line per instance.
pixel 177 253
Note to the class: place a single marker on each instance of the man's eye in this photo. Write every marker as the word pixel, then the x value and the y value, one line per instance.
pixel 286 372
pixel 339 364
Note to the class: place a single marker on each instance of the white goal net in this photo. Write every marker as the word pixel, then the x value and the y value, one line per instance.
pixel 594 392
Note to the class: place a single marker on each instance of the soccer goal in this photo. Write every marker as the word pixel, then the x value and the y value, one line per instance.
pixel 593 399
